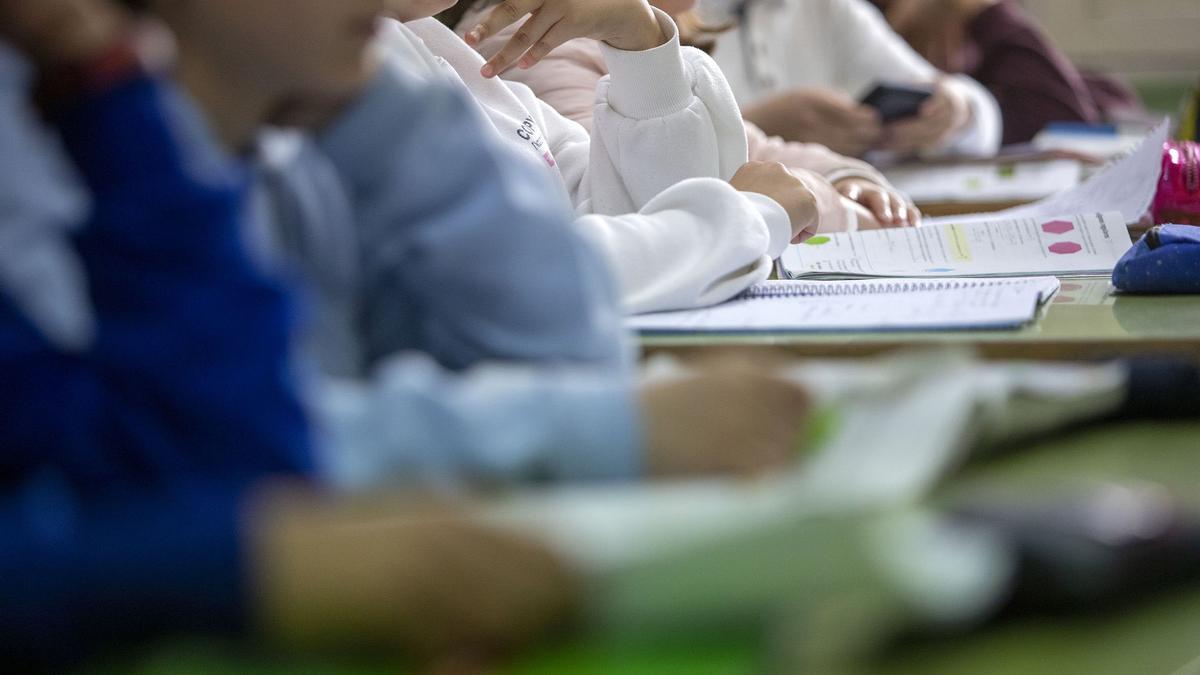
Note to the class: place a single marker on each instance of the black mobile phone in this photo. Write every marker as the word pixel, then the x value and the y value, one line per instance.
pixel 896 102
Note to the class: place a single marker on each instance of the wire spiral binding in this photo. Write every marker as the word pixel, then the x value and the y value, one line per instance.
pixel 803 289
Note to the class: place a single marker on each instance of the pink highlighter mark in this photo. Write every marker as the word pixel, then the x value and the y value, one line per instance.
pixel 1065 248
pixel 1058 227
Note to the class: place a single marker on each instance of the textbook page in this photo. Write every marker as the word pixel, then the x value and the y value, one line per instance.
pixel 1126 185
pixel 1063 246
pixel 990 182
pixel 877 305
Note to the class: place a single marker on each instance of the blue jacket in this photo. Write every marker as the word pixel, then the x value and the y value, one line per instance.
pixel 474 334
pixel 124 449
pixel 187 373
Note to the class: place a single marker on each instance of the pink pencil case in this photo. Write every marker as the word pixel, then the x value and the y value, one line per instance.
pixel 1178 196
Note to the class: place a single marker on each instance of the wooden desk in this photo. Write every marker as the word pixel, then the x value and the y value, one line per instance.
pixel 936 209
pixel 1084 321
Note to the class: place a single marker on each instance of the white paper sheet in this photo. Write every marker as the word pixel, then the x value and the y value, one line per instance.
pixel 1021 181
pixel 1126 185
pixel 1063 246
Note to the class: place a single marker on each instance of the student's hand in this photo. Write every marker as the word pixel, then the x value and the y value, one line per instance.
pixel 942 115
pixel 730 419
pixel 403 577
pixel 624 24
pixel 55 32
pixel 887 207
pixel 936 29
pixel 815 115
pixel 866 219
pixel 775 181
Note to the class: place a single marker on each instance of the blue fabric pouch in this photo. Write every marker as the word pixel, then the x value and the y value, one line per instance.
pixel 1165 260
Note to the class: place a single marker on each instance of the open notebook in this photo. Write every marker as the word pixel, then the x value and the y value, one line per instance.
pixel 1066 246
pixel 867 305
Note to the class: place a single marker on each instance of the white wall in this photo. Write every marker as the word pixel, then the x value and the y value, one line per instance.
pixel 1137 37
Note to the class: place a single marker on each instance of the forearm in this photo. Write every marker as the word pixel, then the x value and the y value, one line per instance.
pixel 698 243
pixel 982 132
pixel 415 423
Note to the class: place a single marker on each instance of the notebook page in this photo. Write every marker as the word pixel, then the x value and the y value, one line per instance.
pixel 1071 245
pixel 971 305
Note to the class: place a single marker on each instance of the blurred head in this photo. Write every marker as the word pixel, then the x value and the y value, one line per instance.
pixel 284 46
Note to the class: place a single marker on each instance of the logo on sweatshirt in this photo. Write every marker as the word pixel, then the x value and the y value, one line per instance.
pixel 529 132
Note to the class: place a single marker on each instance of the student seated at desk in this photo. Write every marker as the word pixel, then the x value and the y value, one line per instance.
pixel 999 44
pixel 649 182
pixel 569 76
pixel 465 332
pixel 504 421
pixel 183 545
pixel 149 388
pixel 126 373
pixel 798 66
pixel 134 414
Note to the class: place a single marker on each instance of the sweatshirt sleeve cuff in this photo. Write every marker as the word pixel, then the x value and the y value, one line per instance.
pixel 779 224
pixel 982 136
pixel 844 174
pixel 651 83
pixel 601 415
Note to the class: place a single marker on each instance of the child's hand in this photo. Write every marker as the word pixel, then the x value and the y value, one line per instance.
pixel 942 115
pixel 409 578
pixel 815 115
pixel 624 24
pixel 730 419
pixel 775 181
pixel 54 32
pixel 887 206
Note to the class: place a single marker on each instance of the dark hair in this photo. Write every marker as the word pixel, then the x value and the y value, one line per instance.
pixel 136 5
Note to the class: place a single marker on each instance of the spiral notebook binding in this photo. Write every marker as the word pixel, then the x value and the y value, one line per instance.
pixel 825 290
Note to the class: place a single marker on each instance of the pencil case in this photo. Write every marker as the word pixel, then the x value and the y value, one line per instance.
pixel 1178 197
pixel 1165 260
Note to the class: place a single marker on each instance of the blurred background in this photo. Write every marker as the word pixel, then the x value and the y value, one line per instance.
pixel 1154 43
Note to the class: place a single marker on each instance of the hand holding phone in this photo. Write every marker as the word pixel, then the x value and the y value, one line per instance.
pixel 897 102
